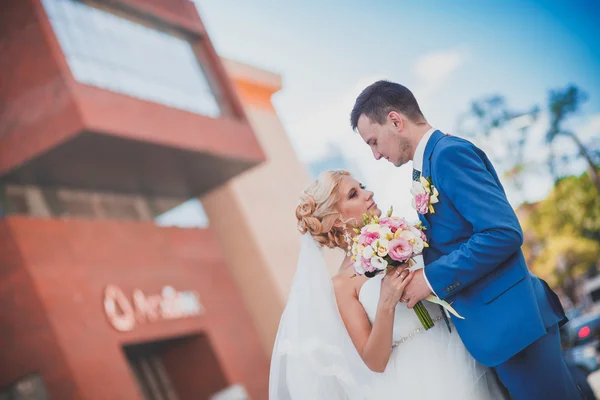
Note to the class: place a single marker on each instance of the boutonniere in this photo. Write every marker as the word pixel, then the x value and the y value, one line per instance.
pixel 425 195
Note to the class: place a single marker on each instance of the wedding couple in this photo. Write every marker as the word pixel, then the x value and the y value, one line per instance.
pixel 353 337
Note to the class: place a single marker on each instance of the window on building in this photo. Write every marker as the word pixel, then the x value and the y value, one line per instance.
pixel 149 371
pixel 30 387
pixel 123 207
pixel 161 370
pixel 80 204
pixel 115 53
pixel 23 200
pixel 16 202
pixel 32 201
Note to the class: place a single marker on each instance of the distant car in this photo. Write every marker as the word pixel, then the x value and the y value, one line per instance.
pixel 580 338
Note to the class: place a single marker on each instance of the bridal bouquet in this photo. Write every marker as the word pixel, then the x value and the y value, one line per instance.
pixel 386 243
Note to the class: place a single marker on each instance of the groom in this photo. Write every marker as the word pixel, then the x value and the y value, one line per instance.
pixel 474 261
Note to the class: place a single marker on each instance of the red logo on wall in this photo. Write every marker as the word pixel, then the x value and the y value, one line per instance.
pixel 170 304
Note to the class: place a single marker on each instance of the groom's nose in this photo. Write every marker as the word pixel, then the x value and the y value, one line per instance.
pixel 377 155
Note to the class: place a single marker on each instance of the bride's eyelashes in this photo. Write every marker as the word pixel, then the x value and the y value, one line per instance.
pixel 353 192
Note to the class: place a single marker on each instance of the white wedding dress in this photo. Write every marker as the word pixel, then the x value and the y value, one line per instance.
pixel 314 359
pixel 432 364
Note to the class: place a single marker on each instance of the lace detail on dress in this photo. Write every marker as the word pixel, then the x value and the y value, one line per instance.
pixel 413 333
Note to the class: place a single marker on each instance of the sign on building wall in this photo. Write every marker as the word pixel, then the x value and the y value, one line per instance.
pixel 123 313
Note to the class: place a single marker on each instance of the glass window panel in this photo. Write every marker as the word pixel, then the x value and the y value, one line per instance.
pixel 18 203
pixel 117 54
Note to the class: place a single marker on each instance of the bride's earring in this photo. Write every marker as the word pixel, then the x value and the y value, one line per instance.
pixel 348 239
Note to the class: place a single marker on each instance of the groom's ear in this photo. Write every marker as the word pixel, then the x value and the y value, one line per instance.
pixel 396 119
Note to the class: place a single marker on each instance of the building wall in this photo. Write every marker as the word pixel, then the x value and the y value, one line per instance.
pixel 50 121
pixel 37 109
pixel 27 340
pixel 53 319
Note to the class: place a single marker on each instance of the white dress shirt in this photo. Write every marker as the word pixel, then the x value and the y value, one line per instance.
pixel 420 151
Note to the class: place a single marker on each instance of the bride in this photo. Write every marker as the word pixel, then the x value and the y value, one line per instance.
pixel 350 337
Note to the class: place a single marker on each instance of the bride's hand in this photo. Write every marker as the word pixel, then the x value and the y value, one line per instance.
pixel 392 287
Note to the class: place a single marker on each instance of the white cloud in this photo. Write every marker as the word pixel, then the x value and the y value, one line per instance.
pixel 327 121
pixel 435 68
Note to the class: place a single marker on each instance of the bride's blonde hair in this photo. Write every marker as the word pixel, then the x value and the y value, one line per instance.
pixel 316 212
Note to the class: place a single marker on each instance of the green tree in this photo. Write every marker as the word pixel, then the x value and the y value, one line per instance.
pixel 572 206
pixel 562 233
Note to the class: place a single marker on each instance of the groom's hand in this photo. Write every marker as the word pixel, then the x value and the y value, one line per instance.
pixel 416 290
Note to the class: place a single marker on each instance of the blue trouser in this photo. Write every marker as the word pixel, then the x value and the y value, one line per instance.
pixel 539 371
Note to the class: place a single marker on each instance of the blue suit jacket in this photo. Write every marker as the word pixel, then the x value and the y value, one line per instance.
pixel 475 260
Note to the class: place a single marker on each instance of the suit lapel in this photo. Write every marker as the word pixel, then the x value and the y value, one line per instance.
pixel 426 173
pixel 433 141
pixel 424 222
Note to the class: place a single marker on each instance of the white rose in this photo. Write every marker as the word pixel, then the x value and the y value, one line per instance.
pixel 418 246
pixel 408 235
pixel 372 227
pixel 368 252
pixel 415 231
pixel 357 264
pixel 383 246
pixel 384 231
pixel 378 262
pixel 358 249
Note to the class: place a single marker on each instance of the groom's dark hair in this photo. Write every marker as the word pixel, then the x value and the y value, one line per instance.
pixel 378 99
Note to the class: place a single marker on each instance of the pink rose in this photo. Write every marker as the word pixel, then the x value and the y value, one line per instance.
pixel 422 203
pixel 387 222
pixel 423 236
pixel 393 223
pixel 366 265
pixel 367 238
pixel 362 240
pixel 400 249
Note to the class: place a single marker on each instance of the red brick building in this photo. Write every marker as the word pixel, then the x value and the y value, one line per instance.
pixel 111 113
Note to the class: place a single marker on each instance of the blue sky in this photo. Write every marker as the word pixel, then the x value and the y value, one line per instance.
pixel 448 52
